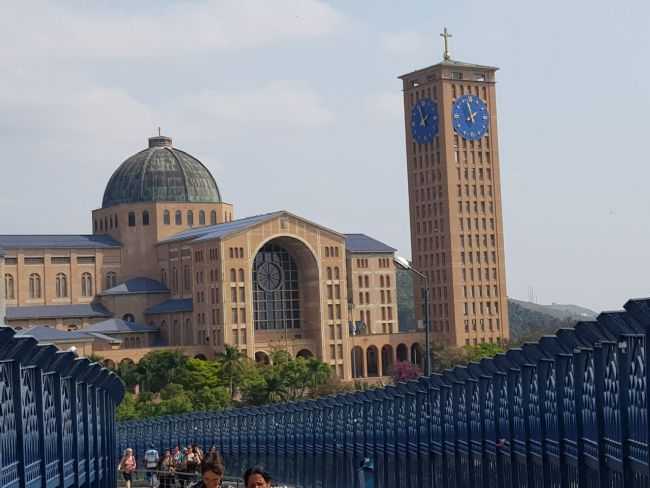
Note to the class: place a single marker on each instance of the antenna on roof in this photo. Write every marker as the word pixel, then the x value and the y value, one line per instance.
pixel 158 131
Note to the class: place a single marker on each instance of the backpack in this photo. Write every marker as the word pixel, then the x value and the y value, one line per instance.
pixel 151 458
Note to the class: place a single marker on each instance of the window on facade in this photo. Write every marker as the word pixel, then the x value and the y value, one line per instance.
pixel 276 300
pixel 190 217
pixel 111 279
pixel 213 217
pixel 163 276
pixel 201 217
pixel 145 217
pixel 131 219
pixel 166 217
pixel 10 291
pixel 61 285
pixel 86 285
pixel 34 285
pixel 178 218
pixel 187 277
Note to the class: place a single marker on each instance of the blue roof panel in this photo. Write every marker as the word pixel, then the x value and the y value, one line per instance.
pixel 361 243
pixel 117 326
pixel 90 310
pixel 58 241
pixel 220 230
pixel 46 334
pixel 170 306
pixel 136 286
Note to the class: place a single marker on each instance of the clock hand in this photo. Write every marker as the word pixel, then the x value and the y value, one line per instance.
pixel 471 115
pixel 422 119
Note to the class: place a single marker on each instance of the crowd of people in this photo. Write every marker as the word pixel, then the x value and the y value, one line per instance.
pixel 182 466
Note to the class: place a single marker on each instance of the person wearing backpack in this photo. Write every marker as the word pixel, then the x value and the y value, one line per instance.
pixel 151 458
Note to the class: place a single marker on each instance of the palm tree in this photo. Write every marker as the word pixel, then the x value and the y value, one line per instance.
pixel 317 372
pixel 231 362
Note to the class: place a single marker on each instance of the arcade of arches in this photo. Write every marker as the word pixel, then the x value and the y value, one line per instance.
pixel 374 360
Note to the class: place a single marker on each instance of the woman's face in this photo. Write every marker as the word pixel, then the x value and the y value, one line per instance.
pixel 211 479
pixel 257 481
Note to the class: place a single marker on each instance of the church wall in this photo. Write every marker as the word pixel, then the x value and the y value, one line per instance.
pixel 71 323
pixel 134 304
pixel 373 287
pixel 47 269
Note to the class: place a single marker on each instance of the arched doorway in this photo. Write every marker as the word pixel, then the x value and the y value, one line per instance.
pixel 357 362
pixel 386 360
pixel 305 354
pixel 372 361
pixel 286 290
pixel 402 353
pixel 417 357
pixel 262 358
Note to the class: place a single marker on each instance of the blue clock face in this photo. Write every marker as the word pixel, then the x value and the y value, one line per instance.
pixel 471 117
pixel 424 121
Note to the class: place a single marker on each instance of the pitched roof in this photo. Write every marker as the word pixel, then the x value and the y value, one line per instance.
pixel 90 310
pixel 451 63
pixel 50 334
pixel 221 230
pixel 137 286
pixel 361 243
pixel 58 241
pixel 119 326
pixel 170 306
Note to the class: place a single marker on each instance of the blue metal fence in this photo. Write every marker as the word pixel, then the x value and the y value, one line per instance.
pixel 57 417
pixel 568 411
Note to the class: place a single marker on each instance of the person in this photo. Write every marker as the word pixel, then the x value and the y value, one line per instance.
pixel 256 477
pixel 212 471
pixel 127 466
pixel 192 460
pixel 166 470
pixel 151 463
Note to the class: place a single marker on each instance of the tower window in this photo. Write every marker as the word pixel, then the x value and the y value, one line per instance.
pixel 131 219
pixel 213 217
pixel 190 217
pixel 166 218
pixel 178 219
pixel 201 217
pixel 145 218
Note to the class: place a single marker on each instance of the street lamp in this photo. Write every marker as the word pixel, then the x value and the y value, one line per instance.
pixel 426 297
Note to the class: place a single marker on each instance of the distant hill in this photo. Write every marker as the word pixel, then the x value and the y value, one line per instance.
pixel 529 321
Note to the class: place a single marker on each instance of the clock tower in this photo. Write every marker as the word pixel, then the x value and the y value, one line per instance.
pixel 454 187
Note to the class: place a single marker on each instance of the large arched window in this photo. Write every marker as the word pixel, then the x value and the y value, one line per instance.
pixel 145 217
pixel 201 217
pixel 178 219
pixel 61 285
pixel 111 279
pixel 166 217
pixel 86 285
pixel 276 299
pixel 34 285
pixel 190 217
pixel 213 217
pixel 10 291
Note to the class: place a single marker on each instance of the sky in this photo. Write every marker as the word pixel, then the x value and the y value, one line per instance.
pixel 296 105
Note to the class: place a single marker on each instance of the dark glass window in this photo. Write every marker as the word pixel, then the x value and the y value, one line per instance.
pixel 190 217
pixel 213 217
pixel 131 219
pixel 178 218
pixel 166 219
pixel 145 218
pixel 201 217
pixel 276 299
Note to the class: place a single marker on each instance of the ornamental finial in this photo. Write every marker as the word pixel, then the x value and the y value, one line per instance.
pixel 446 35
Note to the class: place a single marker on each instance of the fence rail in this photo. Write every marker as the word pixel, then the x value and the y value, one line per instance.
pixel 57 417
pixel 568 411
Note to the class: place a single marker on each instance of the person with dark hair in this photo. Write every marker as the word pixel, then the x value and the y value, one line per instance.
pixel 256 477
pixel 212 471
pixel 166 468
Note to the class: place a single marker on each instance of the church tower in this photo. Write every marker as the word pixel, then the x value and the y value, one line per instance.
pixel 455 199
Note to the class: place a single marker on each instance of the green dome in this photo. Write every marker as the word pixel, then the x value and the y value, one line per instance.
pixel 161 173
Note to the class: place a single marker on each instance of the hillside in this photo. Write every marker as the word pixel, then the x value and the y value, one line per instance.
pixel 529 321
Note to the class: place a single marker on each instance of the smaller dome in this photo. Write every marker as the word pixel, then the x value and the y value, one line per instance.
pixel 161 173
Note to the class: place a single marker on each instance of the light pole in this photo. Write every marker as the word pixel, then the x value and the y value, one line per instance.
pixel 426 298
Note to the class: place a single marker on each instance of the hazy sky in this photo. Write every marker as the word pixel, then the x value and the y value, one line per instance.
pixel 295 104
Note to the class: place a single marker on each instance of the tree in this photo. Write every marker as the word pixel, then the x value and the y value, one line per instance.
pixel 480 351
pixel 159 368
pixel 404 371
pixel 231 363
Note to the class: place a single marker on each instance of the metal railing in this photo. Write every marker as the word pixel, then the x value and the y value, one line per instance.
pixel 57 417
pixel 570 410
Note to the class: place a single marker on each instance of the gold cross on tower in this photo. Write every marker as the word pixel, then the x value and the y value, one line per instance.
pixel 446 35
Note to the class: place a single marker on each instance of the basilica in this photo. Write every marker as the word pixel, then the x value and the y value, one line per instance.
pixel 169 266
